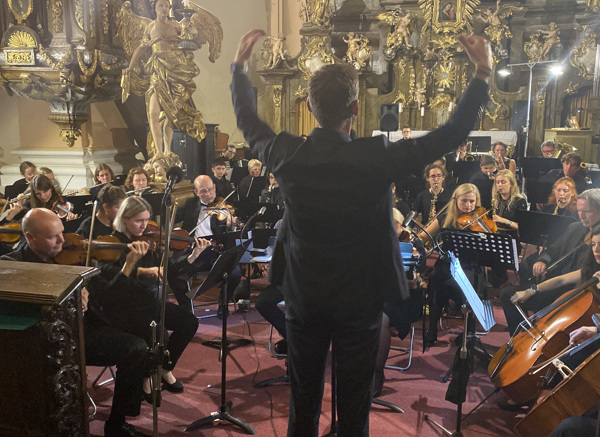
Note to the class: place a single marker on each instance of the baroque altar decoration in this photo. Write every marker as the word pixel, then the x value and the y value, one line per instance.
pixel 398 40
pixel 359 50
pixel 495 29
pixel 544 44
pixel 163 68
pixel 583 57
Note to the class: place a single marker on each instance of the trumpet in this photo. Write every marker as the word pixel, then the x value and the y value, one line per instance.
pixel 469 153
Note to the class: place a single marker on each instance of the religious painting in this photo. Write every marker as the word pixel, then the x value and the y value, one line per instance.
pixel 447 11
pixel 448 16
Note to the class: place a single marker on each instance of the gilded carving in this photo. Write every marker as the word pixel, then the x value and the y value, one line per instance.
pixel 573 88
pixel 401 29
pixel 104 17
pixel 593 5
pixel 79 12
pixel 445 75
pixel 443 16
pixel 495 28
pixel 272 52
pixel 300 92
pixel 493 108
pixel 412 85
pixel 542 42
pixel 583 57
pixel 48 58
pixel 83 63
pixel 21 39
pixel 315 55
pixel 20 9
pixel 57 15
pixel 277 95
pixel 400 97
pixel 20 57
pixel 315 12
pixel 359 50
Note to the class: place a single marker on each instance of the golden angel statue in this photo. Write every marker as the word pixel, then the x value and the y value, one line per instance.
pixel 401 32
pixel 495 29
pixel 542 42
pixel 358 52
pixel 272 52
pixel 165 73
pixel 316 12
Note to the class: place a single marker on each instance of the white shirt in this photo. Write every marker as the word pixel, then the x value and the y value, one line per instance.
pixel 203 224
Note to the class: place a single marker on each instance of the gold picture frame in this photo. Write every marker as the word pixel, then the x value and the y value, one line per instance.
pixel 21 9
pixel 448 16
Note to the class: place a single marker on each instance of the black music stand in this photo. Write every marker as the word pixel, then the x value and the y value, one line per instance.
pixel 538 191
pixel 478 249
pixel 237 174
pixel 222 268
pixel 82 205
pixel 541 229
pixel 480 144
pixel 463 170
pixel 536 168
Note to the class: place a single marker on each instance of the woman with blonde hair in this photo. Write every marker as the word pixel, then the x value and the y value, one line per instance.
pixel 442 286
pixel 506 200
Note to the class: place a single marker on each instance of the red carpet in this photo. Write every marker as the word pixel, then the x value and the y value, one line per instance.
pixel 419 391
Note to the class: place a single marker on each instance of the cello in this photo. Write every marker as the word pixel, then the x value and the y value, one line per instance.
pixel 545 334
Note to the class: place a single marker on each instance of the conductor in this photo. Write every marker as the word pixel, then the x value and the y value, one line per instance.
pixel 341 251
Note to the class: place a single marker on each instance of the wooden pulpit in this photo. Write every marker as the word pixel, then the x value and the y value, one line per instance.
pixel 42 363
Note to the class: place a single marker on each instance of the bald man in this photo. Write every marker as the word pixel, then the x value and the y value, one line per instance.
pixel 104 345
pixel 194 218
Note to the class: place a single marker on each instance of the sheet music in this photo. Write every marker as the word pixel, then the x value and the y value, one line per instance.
pixel 483 312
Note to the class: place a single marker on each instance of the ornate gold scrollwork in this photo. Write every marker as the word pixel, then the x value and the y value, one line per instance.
pixel 88 71
pixel 104 17
pixel 445 75
pixel 400 97
pixel 55 65
pixel 573 88
pixel 57 15
pixel 412 85
pixel 21 39
pixel 493 109
pixel 70 135
pixel 315 55
pixel 542 42
pixel 20 9
pixel 277 89
pixel 583 57
pixel 443 16
pixel 20 57
pixel 300 92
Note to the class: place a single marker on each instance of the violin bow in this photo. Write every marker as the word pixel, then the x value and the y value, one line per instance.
pixel 89 249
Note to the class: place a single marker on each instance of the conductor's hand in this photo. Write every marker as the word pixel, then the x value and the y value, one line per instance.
pixel 539 268
pixel 479 51
pixel 522 296
pixel 582 334
pixel 246 44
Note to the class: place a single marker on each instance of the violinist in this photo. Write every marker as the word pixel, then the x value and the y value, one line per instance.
pixel 431 200
pixel 104 344
pixel 503 162
pixel 102 175
pixel 563 199
pixel 198 219
pixel 442 285
pixel 568 246
pixel 44 195
pixel 538 297
pixel 132 286
pixel 484 179
pixel 109 200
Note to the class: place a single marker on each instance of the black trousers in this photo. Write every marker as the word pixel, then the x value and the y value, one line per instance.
pixel 266 305
pixel 108 346
pixel 533 304
pixel 182 323
pixel 354 335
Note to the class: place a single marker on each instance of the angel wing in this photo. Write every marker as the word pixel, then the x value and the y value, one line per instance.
pixel 130 28
pixel 390 17
pixel 507 10
pixel 209 31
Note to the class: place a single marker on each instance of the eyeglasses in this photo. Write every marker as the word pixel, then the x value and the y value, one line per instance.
pixel 206 190
pixel 436 176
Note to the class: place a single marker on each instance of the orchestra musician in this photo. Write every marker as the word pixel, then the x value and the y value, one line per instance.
pixel 503 162
pixel 130 284
pixel 251 186
pixel 563 199
pixel 572 244
pixel 331 294
pixel 548 149
pixel 109 200
pixel 199 220
pixel 552 288
pixel 137 180
pixel 484 179
pixel 431 200
pixel 44 195
pixel 102 175
pixel 572 168
pixel 506 200
pixel 272 194
pixel 406 132
pixel 46 171
pixel 455 156
pixel 442 287
pixel 229 155
pixel 28 170
pixel 105 345
pixel 219 170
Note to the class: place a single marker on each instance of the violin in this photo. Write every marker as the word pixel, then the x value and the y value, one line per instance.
pixel 106 248
pixel 477 221
pixel 63 209
pixel 179 241
pixel 11 233
pixel 220 209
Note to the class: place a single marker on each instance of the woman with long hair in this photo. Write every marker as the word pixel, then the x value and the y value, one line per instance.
pixel 506 200
pixel 563 199
pixel 132 294
pixel 44 195
pixel 442 287
pixel 503 162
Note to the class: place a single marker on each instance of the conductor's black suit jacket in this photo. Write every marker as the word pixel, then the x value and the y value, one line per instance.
pixel 341 249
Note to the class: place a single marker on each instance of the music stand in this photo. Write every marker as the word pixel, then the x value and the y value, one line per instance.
pixel 536 168
pixel 538 191
pixel 482 144
pixel 82 205
pixel 479 249
pixel 463 170
pixel 222 268
pixel 155 201
pixel 541 229
pixel 237 174
pixel 271 215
